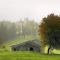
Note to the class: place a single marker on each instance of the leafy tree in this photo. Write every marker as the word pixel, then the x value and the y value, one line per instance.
pixel 49 31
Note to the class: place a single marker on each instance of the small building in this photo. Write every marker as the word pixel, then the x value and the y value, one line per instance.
pixel 32 45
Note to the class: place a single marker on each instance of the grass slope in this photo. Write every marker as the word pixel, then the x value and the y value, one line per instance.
pixel 27 56
pixel 19 40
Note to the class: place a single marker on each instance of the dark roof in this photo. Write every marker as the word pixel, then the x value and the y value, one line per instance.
pixel 31 42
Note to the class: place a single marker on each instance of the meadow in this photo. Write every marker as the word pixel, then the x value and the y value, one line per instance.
pixel 23 55
pixel 7 54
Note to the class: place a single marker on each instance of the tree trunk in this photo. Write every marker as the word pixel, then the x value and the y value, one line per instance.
pixel 49 49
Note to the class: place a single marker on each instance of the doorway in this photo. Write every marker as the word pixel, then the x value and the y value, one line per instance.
pixel 31 49
pixel 14 49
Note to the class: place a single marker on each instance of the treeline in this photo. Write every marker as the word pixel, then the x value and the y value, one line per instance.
pixel 7 31
pixel 10 30
pixel 27 27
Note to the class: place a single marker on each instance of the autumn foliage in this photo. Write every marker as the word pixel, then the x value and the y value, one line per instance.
pixel 49 31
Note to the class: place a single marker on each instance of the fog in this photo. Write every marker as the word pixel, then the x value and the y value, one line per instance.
pixel 14 10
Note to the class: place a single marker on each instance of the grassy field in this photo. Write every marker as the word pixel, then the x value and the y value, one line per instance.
pixel 19 40
pixel 27 56
pixel 7 54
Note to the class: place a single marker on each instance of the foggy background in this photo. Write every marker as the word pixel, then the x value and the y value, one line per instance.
pixel 14 10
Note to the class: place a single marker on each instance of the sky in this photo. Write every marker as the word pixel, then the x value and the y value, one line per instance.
pixel 14 10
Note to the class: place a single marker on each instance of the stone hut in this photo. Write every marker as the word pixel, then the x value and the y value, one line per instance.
pixel 32 45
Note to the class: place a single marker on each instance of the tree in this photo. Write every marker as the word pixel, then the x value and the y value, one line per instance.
pixel 27 27
pixel 49 31
pixel 7 31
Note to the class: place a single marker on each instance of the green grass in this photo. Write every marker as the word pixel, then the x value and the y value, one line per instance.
pixel 27 56
pixel 19 40
pixel 6 54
